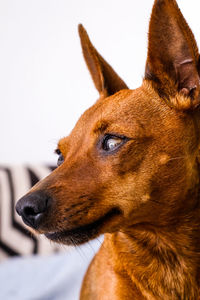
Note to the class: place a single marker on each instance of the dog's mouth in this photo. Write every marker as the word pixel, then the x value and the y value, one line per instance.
pixel 84 233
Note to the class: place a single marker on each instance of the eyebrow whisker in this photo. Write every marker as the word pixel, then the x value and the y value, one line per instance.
pixel 176 158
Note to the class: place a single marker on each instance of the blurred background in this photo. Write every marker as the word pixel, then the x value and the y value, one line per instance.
pixel 44 88
pixel 45 85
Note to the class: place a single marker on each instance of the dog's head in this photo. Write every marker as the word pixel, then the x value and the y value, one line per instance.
pixel 132 158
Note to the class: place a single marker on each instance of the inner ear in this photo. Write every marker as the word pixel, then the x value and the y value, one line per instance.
pixel 173 56
pixel 105 79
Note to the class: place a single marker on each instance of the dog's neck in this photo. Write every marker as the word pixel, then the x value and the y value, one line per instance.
pixel 164 263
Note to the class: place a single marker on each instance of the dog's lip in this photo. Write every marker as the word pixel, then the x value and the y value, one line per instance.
pixel 84 232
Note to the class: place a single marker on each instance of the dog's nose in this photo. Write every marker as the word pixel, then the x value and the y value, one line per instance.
pixel 32 208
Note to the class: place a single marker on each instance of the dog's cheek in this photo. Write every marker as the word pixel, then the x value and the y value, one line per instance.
pixel 131 158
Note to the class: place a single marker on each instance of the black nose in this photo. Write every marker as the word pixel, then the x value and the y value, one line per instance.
pixel 32 208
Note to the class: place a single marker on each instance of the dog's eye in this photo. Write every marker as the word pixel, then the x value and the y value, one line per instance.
pixel 111 143
pixel 60 157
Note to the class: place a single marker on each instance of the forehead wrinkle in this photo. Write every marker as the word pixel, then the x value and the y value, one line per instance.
pixel 100 126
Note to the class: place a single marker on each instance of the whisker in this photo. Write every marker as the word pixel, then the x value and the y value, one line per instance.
pixel 175 158
pixel 81 253
pixel 91 247
pixel 100 242
pixel 79 250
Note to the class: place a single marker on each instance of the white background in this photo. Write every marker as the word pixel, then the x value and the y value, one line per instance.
pixel 44 83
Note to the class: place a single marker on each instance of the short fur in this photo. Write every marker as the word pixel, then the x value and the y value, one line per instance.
pixel 144 196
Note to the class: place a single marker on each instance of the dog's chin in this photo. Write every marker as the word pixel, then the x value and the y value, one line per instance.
pixel 83 234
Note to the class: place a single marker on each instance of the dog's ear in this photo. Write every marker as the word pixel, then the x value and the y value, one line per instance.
pixel 106 81
pixel 173 58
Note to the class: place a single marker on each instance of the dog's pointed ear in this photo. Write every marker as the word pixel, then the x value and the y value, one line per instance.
pixel 106 81
pixel 173 58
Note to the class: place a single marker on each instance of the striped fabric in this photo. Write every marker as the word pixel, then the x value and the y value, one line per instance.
pixel 15 239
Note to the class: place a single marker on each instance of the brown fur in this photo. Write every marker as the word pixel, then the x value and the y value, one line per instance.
pixel 145 195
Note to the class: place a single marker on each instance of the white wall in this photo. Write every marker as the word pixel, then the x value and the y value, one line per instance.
pixel 44 83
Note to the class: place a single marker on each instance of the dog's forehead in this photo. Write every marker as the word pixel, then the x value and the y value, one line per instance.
pixel 128 112
pixel 123 109
pixel 116 108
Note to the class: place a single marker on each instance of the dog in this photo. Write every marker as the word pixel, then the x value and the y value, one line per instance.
pixel 130 170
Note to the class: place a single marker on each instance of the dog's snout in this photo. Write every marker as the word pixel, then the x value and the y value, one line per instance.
pixel 32 208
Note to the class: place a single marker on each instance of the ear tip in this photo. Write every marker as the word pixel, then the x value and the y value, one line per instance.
pixel 160 2
pixel 165 5
pixel 80 27
pixel 81 30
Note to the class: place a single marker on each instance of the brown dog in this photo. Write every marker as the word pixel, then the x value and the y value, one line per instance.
pixel 130 169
